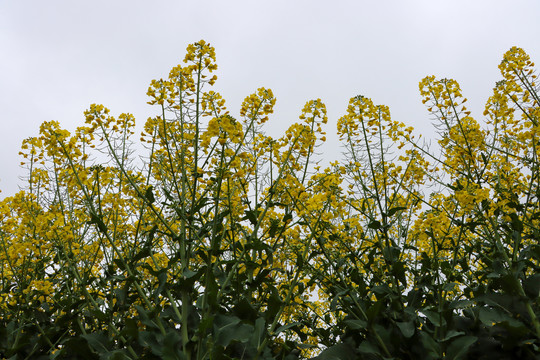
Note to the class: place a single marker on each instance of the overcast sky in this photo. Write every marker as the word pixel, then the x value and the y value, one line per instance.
pixel 58 57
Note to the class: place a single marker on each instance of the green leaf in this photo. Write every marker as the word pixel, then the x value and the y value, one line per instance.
pixel 374 310
pixel 434 317
pixel 452 334
pixel 493 316
pixel 243 333
pixel 162 278
pixel 151 234
pixel 459 347
pixel 116 355
pixel 188 274
pixel 450 286
pixel 212 289
pixel 120 264
pixel 374 225
pixel 285 327
pixel 392 211
pixel 95 313
pixel 98 342
pixel 406 328
pixel 461 304
pixel 429 344
pixel 391 253
pixel 120 295
pixel 171 346
pixel 259 332
pixel 274 225
pixel 245 310
pixel 131 329
pixel 299 260
pixel 145 252
pixel 149 195
pixel 484 158
pixel 367 348
pixel 75 345
pixel 274 304
pixel 531 286
pixel 144 316
pixel 516 223
pixel 356 324
pixel 224 329
pixel 168 194
pixel 199 205
pixel 252 216
pixel 150 340
pixel 399 270
pixel 338 352
pixel 287 217
pixel 97 220
pixel 228 328
pixel 382 289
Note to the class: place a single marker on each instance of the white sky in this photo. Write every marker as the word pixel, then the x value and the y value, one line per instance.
pixel 59 56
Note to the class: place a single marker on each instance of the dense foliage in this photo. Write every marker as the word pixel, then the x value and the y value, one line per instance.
pixel 224 243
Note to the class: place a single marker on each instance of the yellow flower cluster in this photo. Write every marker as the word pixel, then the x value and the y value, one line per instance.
pixel 258 106
pixel 225 128
pixel 218 200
